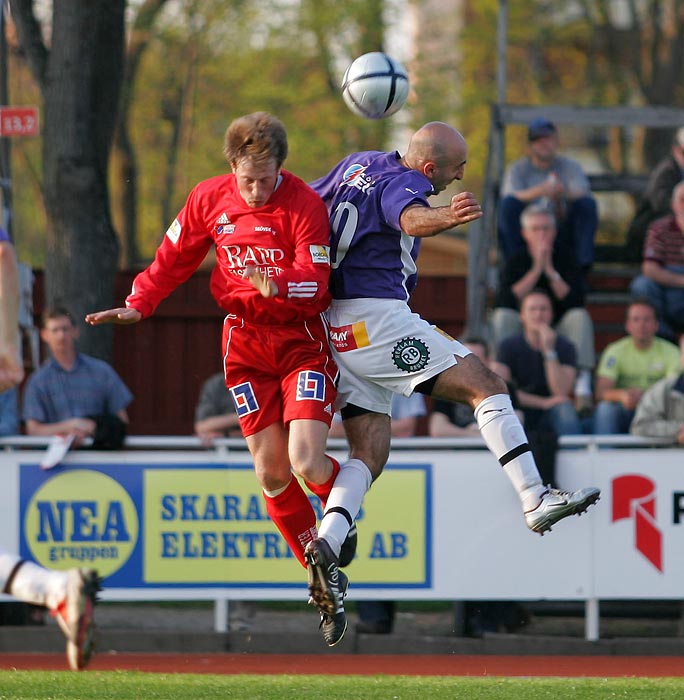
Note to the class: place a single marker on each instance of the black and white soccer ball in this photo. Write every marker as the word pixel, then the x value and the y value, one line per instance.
pixel 375 85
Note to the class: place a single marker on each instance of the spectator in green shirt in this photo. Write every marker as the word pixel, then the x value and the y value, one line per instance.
pixel 629 366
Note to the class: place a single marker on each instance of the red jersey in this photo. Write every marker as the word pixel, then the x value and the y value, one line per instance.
pixel 665 242
pixel 286 239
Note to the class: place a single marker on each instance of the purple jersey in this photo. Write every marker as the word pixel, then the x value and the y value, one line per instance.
pixel 371 257
pixel 3 235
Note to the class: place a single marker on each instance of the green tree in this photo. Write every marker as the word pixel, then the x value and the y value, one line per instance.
pixel 585 52
pixel 639 49
pixel 343 31
pixel 191 85
pixel 124 157
pixel 191 66
pixel 79 71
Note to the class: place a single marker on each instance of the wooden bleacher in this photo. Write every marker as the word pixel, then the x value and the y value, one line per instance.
pixel 609 281
pixel 607 301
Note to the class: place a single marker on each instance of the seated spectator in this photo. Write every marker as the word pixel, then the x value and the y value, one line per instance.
pixel 629 366
pixel 662 270
pixel 542 265
pixel 541 364
pixel 660 413
pixel 72 394
pixel 215 413
pixel 556 182
pixel 655 201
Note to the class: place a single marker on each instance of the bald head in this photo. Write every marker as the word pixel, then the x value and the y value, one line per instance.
pixel 436 141
pixel 438 151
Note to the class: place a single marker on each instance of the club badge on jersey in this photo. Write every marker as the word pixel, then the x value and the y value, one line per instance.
pixel 410 355
pixel 245 401
pixel 311 386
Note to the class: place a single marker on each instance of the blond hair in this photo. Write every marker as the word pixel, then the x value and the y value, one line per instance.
pixel 258 136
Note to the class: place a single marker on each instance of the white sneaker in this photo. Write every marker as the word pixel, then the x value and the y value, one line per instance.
pixel 556 505
pixel 74 615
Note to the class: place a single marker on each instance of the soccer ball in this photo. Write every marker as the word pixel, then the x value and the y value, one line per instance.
pixel 375 85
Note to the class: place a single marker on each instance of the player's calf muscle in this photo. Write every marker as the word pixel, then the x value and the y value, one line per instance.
pixel 369 439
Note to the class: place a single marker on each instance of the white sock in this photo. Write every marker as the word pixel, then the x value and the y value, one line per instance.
pixel 34 584
pixel 347 495
pixel 506 438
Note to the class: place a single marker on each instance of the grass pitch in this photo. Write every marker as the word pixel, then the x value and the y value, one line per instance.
pixel 123 685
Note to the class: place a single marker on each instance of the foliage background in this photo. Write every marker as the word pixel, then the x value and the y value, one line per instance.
pixel 208 61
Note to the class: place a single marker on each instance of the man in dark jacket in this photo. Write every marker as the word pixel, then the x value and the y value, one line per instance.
pixel 655 201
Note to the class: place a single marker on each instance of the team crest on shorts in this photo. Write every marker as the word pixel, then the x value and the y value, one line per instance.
pixel 410 355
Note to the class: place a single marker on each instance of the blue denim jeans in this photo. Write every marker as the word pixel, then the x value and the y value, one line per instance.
pixel 611 418
pixel 562 419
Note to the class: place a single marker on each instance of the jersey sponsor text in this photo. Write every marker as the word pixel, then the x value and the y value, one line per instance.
pixel 349 337
pixel 241 256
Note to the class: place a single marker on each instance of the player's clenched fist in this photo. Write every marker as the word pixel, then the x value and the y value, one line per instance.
pixel 465 208
pixel 266 286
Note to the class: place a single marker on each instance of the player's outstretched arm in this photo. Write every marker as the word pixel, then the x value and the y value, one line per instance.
pixel 421 221
pixel 122 315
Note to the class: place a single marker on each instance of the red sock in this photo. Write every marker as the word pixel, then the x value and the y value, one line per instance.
pixel 323 490
pixel 294 517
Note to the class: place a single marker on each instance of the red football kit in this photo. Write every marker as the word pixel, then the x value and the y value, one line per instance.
pixel 276 358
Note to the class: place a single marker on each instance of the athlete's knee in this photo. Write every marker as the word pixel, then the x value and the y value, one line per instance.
pixel 470 381
pixel 310 463
pixel 490 385
pixel 272 477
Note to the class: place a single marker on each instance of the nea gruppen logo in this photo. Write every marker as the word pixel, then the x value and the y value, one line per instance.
pixel 634 498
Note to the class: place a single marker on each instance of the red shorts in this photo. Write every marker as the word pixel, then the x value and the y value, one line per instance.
pixel 279 373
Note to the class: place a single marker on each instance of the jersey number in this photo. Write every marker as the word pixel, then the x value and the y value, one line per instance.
pixel 346 215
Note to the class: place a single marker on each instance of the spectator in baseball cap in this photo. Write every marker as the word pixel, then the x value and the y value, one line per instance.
pixel 539 128
pixel 545 178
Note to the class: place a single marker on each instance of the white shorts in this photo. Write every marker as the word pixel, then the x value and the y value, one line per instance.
pixel 381 347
